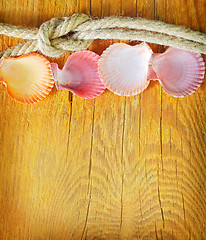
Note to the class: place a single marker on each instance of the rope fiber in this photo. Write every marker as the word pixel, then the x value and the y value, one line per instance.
pixel 59 35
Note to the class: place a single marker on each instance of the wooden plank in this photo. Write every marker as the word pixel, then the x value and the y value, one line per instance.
pixel 183 142
pixel 106 176
pixel 142 155
pixel 109 168
pixel 43 203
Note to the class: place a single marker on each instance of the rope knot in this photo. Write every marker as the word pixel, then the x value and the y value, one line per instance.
pixel 55 36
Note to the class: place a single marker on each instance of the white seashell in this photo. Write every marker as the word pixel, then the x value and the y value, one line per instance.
pixel 123 69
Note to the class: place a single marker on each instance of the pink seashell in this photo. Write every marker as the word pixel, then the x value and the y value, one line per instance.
pixel 179 72
pixel 124 69
pixel 80 75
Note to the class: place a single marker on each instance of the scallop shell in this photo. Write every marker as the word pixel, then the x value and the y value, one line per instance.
pixel 179 72
pixel 28 78
pixel 124 69
pixel 80 75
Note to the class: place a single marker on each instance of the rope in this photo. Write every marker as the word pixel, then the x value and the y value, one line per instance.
pixel 77 32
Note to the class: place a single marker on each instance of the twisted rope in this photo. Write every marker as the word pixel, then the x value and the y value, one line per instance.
pixel 77 32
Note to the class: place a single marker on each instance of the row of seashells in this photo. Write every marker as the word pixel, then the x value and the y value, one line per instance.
pixel 123 69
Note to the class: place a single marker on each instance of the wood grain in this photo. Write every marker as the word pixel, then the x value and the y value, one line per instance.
pixel 108 168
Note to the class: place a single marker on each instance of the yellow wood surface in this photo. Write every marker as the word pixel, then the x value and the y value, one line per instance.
pixel 109 168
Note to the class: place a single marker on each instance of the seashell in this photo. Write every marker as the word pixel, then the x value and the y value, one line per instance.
pixel 28 78
pixel 124 69
pixel 179 72
pixel 80 75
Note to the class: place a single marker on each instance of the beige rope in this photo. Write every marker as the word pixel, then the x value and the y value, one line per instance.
pixel 18 32
pixel 77 32
pixel 21 48
pixel 144 36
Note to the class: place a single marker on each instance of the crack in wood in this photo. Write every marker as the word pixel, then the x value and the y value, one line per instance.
pixel 161 147
pixel 89 175
pixel 156 235
pixel 161 209
pixel 70 98
pixel 122 164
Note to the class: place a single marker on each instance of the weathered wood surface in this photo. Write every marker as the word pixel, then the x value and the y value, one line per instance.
pixel 109 168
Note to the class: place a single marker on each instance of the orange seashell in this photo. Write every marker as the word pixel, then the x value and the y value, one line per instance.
pixel 80 75
pixel 123 68
pixel 179 72
pixel 28 78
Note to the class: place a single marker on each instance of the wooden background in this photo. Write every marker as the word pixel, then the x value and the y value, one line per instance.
pixel 109 168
